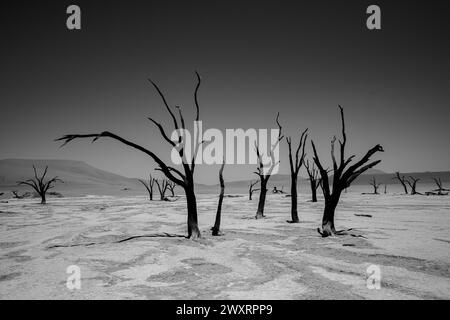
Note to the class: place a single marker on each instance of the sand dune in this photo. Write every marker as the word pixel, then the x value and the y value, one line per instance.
pixel 81 179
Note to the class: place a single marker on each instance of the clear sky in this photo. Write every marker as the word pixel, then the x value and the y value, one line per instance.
pixel 256 58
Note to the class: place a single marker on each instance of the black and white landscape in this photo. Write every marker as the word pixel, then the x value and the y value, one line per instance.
pixel 350 201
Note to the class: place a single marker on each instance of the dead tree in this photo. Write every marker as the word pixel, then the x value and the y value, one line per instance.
pixel 413 184
pixel 216 229
pixel 149 186
pixel 38 184
pixel 183 179
pixel 375 185
pixel 342 177
pixel 440 189
pixel 171 186
pixel 251 190
pixel 314 179
pixel 162 188
pixel 294 169
pixel 264 172
pixel 16 195
pixel 402 181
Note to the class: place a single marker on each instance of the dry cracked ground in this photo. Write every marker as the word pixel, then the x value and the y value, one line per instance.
pixel 131 248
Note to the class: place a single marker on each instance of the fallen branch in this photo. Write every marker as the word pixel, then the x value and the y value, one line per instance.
pixel 156 235
pixel 436 194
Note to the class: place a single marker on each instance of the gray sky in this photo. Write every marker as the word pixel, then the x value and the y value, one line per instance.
pixel 256 59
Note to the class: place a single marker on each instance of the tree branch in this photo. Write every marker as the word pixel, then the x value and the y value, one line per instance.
pixel 68 138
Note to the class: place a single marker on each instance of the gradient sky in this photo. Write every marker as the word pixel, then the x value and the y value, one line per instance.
pixel 256 58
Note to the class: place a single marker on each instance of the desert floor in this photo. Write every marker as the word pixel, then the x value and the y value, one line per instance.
pixel 407 237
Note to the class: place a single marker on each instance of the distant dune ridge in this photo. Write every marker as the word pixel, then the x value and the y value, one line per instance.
pixel 82 179
pixel 79 177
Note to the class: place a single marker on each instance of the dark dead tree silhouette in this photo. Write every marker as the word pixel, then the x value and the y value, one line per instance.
pixel 440 189
pixel 342 177
pixel 375 185
pixel 402 181
pixel 16 194
pixel 149 186
pixel 295 166
pixel 39 185
pixel 162 188
pixel 264 172
pixel 184 180
pixel 413 184
pixel 314 179
pixel 171 187
pixel 216 228
pixel 251 189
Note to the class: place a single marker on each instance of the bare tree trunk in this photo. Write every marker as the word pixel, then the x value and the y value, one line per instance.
pixel 328 228
pixel 314 179
pixel 251 189
pixel 149 186
pixel 263 174
pixel 192 221
pixel 402 181
pixel 295 166
pixel 262 200
pixel 413 185
pixel 162 188
pixel 405 188
pixel 375 185
pixel 216 228
pixel 294 211
pixel 43 198
pixel 171 186
pixel 313 191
